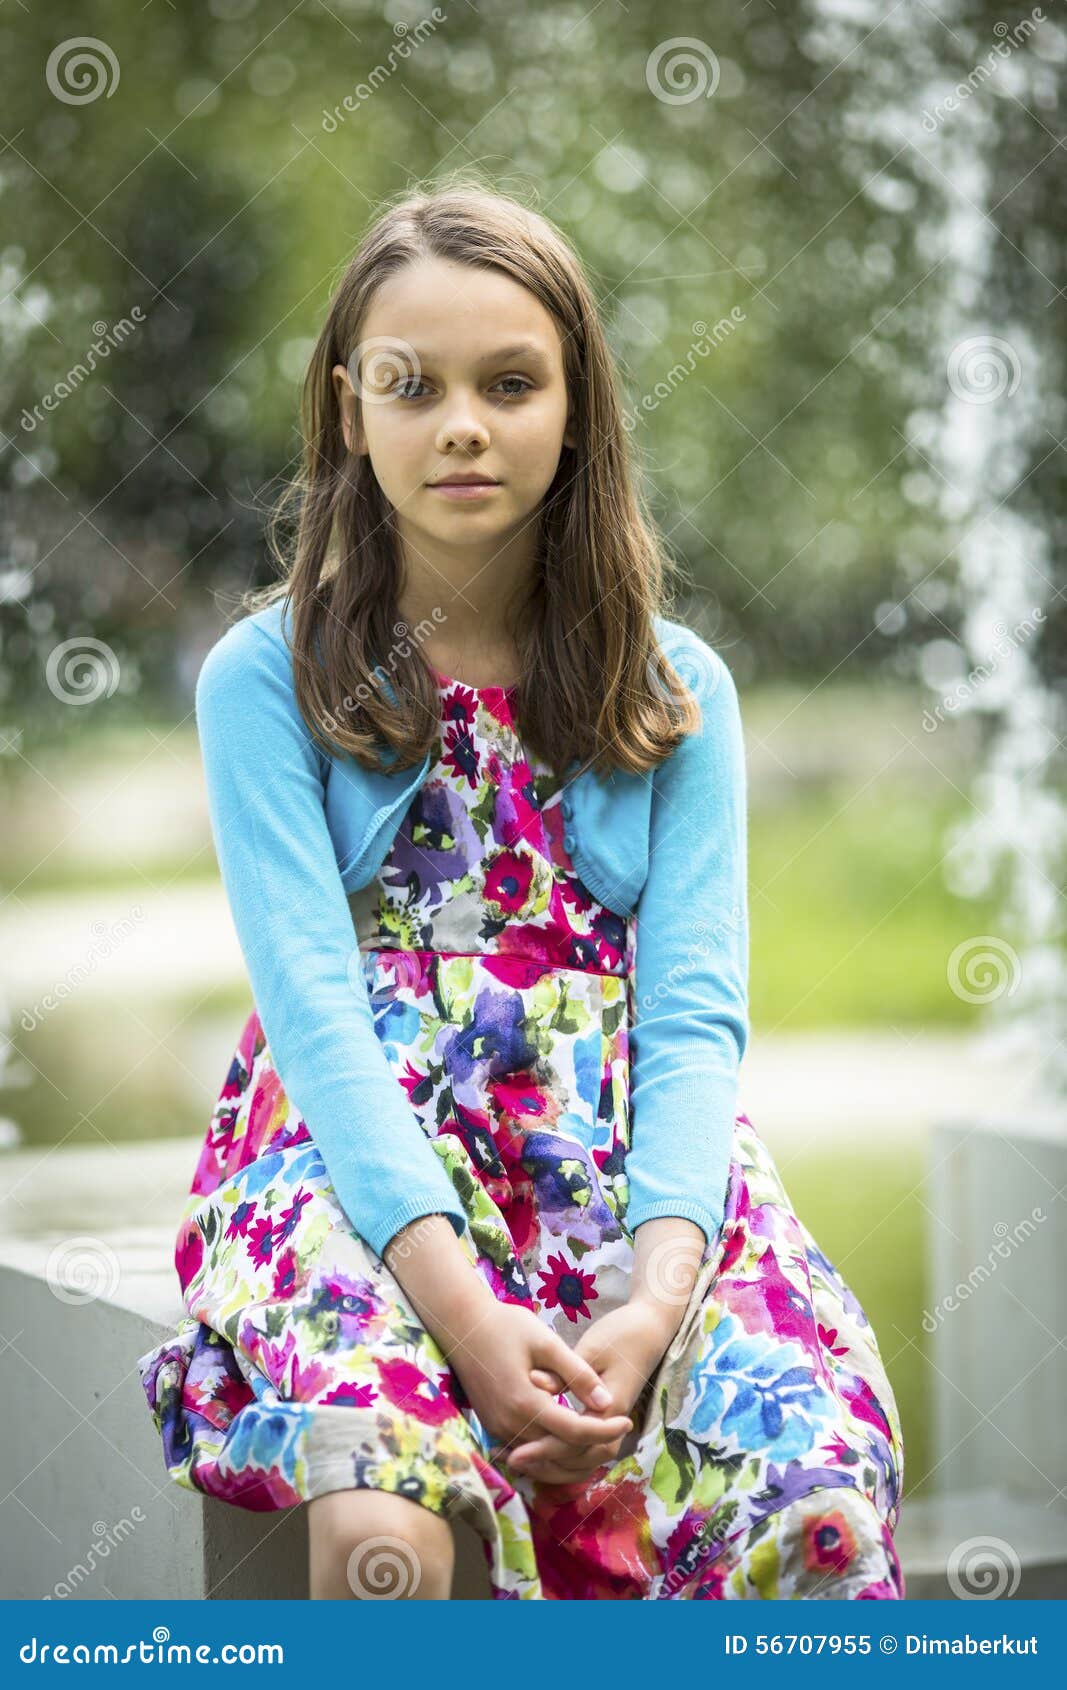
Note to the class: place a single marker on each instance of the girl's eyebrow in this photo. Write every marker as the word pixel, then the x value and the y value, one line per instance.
pixel 525 349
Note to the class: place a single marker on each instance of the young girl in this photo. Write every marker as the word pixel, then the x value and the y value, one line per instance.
pixel 477 1231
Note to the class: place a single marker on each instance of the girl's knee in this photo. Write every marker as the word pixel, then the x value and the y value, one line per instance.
pixel 387 1545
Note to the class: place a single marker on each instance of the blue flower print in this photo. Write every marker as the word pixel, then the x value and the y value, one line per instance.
pixel 396 1023
pixel 757 1392
pixel 270 1435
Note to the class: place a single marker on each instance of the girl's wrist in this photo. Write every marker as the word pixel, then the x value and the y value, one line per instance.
pixel 663 1316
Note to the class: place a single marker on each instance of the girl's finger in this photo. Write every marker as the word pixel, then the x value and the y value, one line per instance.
pixel 575 1428
pixel 577 1375
pixel 546 1379
pixel 551 1473
pixel 551 1449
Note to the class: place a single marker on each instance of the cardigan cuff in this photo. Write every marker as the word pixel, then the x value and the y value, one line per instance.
pixel 413 1209
pixel 683 1208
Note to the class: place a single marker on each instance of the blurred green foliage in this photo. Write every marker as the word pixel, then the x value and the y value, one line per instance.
pixel 209 186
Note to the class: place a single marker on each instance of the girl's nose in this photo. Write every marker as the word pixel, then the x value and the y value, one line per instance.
pixel 462 431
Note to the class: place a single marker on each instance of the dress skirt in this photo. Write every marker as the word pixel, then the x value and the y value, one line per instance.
pixel 766 1456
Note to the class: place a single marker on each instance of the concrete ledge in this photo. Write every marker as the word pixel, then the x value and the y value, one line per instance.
pixel 985 1544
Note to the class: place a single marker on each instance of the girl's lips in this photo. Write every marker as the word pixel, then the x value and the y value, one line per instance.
pixel 465 489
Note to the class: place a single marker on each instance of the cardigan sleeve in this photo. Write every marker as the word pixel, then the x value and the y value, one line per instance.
pixel 265 778
pixel 691 1022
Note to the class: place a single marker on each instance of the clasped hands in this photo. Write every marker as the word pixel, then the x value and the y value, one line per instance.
pixel 624 1347
pixel 514 1368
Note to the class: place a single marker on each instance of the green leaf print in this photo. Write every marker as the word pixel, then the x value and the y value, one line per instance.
pixel 672 1476
pixel 452 982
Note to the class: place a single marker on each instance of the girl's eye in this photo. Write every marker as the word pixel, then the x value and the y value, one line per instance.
pixel 406 387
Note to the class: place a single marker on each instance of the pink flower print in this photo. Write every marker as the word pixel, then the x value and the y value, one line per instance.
pixel 291 1216
pixel 351 1395
pixel 567 1288
pixel 285 1274
pixel 309 1380
pixel 460 704
pixel 523 1099
pixel 261 1242
pixel 731 1245
pixel 416 1084
pixel 827 1334
pixel 508 880
pixel 189 1255
pixel 571 889
pixel 409 1389
pixel 273 1359
pixel 516 817
pixel 829 1545
pixel 240 1220
pixel 460 754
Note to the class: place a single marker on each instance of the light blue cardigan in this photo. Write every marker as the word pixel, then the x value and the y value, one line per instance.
pixel 296 830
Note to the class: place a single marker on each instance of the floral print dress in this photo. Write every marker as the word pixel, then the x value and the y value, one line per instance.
pixel 766 1457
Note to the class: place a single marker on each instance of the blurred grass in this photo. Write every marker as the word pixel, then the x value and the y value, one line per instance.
pixel 852 923
pixel 865 1215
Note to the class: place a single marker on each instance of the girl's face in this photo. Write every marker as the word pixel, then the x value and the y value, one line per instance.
pixel 459 373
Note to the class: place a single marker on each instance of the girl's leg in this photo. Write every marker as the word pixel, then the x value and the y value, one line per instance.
pixel 373 1545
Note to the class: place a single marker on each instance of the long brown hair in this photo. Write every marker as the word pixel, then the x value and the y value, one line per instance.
pixel 594 683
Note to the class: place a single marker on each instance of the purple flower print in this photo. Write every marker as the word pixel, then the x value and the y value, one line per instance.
pixel 345 1311
pixel 434 844
pixel 567 1192
pixel 495 1040
pixel 792 1482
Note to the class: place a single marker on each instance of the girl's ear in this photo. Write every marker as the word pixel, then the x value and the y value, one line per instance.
pixel 346 399
pixel 570 437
